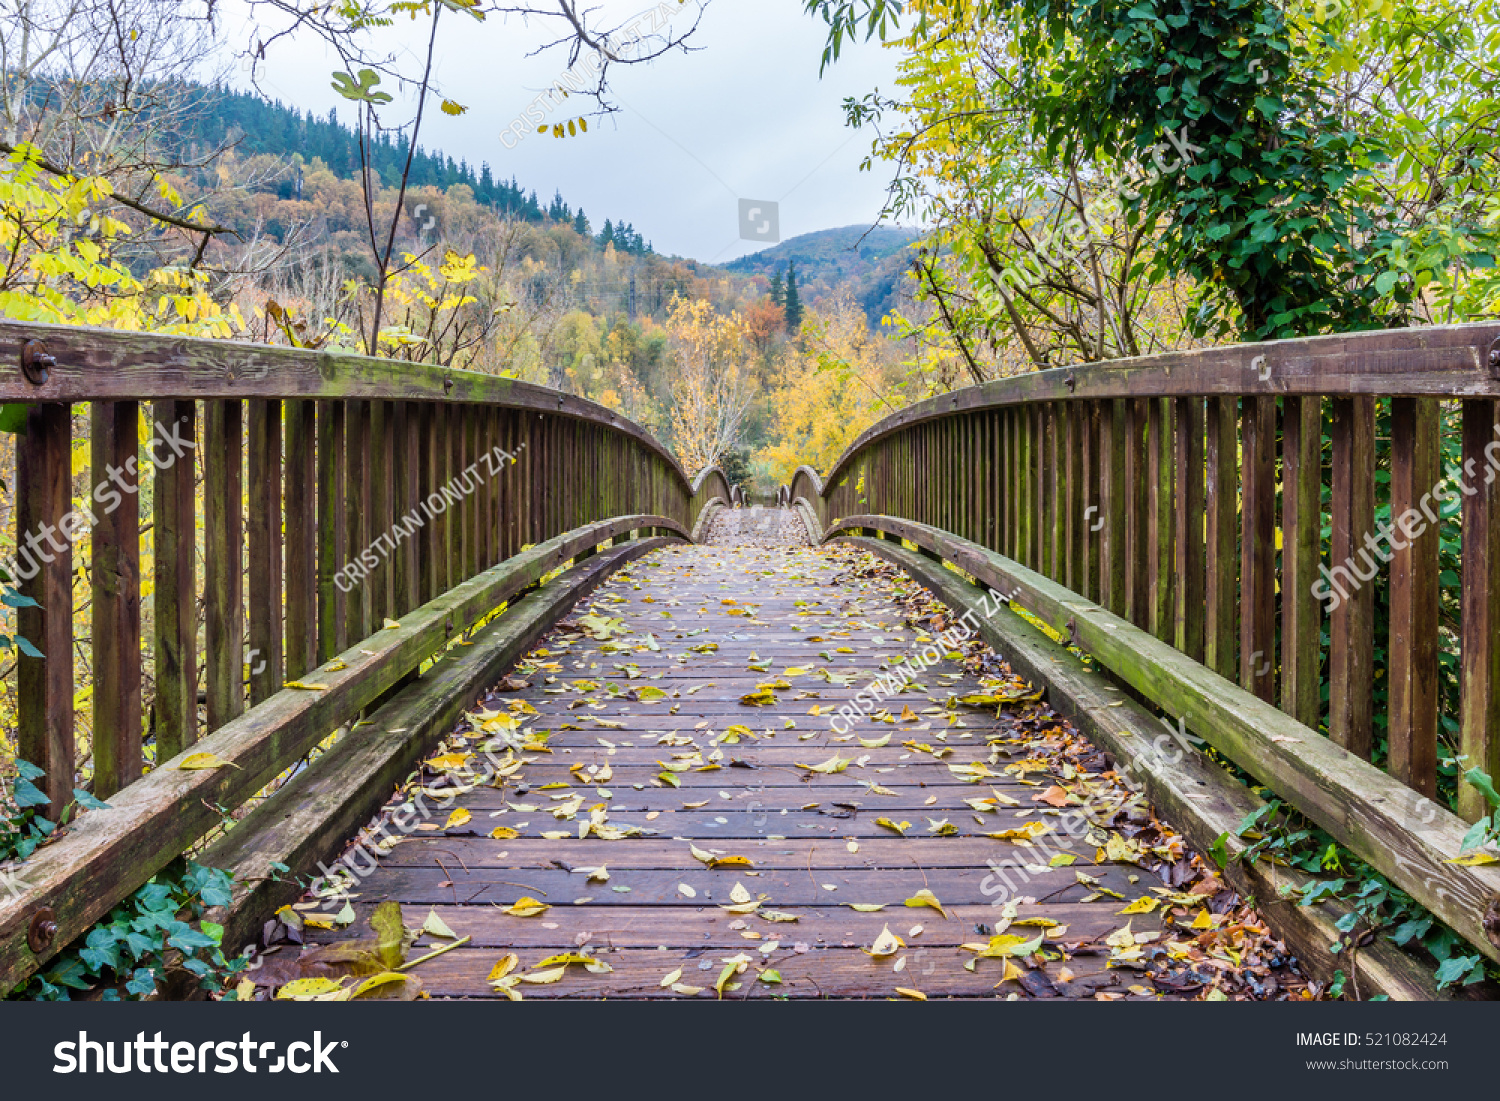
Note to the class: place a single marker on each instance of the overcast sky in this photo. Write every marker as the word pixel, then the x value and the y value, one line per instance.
pixel 746 116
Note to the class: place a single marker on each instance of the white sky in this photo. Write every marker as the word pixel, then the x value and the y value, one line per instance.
pixel 746 116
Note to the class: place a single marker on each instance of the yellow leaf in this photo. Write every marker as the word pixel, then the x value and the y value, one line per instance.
pixel 1204 920
pixel 671 977
pixel 1143 905
pixel 1472 860
pixel 899 827
pixel 867 907
pixel 306 990
pixel 457 818
pixel 540 977
pixel 763 697
pixel 506 965
pixel 875 743
pixel 887 944
pixel 504 833
pixel 195 762
pixel 305 686
pixel 908 992
pixel 526 906
pixel 924 897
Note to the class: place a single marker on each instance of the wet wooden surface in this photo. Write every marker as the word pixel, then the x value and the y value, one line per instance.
pixel 814 840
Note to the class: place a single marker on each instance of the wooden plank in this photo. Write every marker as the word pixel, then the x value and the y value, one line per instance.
pixel 1432 361
pixel 1348 584
pixel 1479 719
pixel 112 365
pixel 1221 540
pixel 1413 648
pixel 45 528
pixel 1258 549
pixel 174 584
pixel 114 441
pixel 382 509
pixel 1161 574
pixel 1197 796
pixel 1365 810
pixel 357 516
pixel 333 548
pixel 110 853
pixel 328 801
pixel 1137 516
pixel 267 671
pixel 301 537
pixel 1113 543
pixel 1188 527
pixel 1301 546
pixel 223 555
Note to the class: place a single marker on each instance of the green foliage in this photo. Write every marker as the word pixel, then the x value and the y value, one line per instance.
pixel 1376 905
pixel 158 929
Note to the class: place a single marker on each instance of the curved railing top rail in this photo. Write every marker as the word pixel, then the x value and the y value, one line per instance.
pixel 812 476
pixel 1450 361
pixel 94 364
pixel 703 475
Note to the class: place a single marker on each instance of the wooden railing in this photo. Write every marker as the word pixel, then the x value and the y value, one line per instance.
pixel 357 515
pixel 1220 506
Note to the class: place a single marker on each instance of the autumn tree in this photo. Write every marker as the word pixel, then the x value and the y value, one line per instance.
pixel 712 383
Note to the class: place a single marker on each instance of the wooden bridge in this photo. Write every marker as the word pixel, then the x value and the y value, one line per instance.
pixel 747 767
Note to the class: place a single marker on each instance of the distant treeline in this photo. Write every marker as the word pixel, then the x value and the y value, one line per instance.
pixel 256 125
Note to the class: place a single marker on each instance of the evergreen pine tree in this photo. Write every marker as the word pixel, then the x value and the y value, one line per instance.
pixel 581 224
pixel 793 300
pixel 778 288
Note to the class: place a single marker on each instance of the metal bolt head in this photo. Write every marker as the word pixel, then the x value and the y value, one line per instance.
pixel 36 363
pixel 42 930
pixel 1494 358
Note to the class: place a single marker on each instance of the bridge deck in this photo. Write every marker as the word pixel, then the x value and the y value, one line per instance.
pixel 814 839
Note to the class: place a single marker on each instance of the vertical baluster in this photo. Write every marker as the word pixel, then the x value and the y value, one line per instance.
pixel 301 537
pixel 1160 467
pixel 1112 536
pixel 174 579
pixel 1258 549
pixel 382 479
pixel 1138 515
pixel 114 441
pixel 224 548
pixel 1074 526
pixel 357 517
pixel 1479 719
pixel 441 459
pixel 44 531
pixel 1301 544
pixel 1413 651
pixel 427 474
pixel 332 546
pixel 265 550
pixel 1221 560
pixel 1351 627
pixel 1188 536
pixel 1055 411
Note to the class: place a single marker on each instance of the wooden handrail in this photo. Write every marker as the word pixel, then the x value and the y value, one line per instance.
pixel 355 512
pixel 110 365
pixel 1188 495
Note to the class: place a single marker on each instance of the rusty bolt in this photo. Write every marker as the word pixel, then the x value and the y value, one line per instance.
pixel 1495 358
pixel 1071 382
pixel 43 928
pixel 35 362
pixel 447 384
